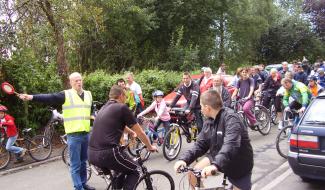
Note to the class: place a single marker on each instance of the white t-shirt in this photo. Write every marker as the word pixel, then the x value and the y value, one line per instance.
pixel 135 87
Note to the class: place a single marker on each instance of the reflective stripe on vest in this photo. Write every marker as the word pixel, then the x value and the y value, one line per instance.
pixel 76 112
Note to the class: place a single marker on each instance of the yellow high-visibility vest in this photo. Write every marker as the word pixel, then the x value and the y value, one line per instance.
pixel 76 112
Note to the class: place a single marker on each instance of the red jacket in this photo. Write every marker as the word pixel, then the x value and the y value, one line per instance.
pixel 8 123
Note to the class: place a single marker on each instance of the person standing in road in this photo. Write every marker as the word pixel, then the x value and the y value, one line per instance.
pixel 130 100
pixel 206 82
pixel 137 91
pixel 76 105
pixel 217 85
pixel 224 144
pixel 191 92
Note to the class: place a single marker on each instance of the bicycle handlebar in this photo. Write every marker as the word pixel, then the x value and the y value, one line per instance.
pixel 196 172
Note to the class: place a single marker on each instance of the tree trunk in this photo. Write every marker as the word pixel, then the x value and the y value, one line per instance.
pixel 222 39
pixel 62 66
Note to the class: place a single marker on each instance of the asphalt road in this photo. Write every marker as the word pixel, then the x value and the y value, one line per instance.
pixel 270 172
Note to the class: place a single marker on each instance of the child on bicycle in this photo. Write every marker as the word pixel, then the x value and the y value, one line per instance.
pixel 7 122
pixel 160 107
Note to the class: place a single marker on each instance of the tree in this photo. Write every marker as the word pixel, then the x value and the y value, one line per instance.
pixel 316 11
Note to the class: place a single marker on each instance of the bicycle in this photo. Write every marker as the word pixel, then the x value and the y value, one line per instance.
pixel 57 119
pixel 55 122
pixel 149 180
pixel 283 138
pixel 66 158
pixel 271 108
pixel 261 114
pixel 38 147
pixel 148 126
pixel 198 176
pixel 173 139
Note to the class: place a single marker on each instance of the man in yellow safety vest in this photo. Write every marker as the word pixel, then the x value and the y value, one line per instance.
pixel 76 105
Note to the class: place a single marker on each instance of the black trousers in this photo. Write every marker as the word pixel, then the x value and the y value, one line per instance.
pixel 119 161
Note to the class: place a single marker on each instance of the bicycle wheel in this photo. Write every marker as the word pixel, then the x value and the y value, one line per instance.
pixel 49 131
pixel 274 115
pixel 172 143
pixel 137 144
pixel 4 157
pixel 39 148
pixel 65 155
pixel 263 118
pixel 282 142
pixel 155 180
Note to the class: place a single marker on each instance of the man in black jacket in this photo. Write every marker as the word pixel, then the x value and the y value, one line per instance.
pixel 225 143
pixel 191 91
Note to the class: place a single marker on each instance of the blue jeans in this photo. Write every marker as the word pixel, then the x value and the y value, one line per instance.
pixel 9 146
pixel 78 145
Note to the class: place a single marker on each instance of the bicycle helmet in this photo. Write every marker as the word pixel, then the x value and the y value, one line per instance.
pixel 157 93
pixel 3 108
pixel 314 78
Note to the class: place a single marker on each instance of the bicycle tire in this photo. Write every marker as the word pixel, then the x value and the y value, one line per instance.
pixel 273 114
pixel 145 154
pixel 5 157
pixel 171 143
pixel 145 182
pixel 49 131
pixel 282 141
pixel 39 148
pixel 263 117
pixel 65 156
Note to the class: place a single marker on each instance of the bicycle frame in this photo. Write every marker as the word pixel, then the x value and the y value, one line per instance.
pixel 185 124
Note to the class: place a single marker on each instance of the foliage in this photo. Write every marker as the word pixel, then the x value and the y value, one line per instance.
pixel 316 11
pixel 99 82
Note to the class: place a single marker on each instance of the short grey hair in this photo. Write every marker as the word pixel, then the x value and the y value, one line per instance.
pixel 208 70
pixel 285 63
pixel 74 75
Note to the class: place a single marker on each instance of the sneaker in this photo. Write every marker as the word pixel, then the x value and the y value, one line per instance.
pixel 23 152
pixel 280 125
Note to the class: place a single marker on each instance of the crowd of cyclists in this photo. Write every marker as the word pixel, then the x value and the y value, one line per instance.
pixel 288 88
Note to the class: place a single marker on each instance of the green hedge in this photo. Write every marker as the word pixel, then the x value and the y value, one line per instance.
pixel 100 82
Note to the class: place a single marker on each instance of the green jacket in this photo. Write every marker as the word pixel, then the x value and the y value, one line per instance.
pixel 130 100
pixel 299 92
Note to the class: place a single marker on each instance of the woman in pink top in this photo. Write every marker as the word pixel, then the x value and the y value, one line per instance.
pixel 160 107
pixel 206 82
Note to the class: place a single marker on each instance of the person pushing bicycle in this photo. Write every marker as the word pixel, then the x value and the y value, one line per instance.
pixel 7 123
pixel 223 142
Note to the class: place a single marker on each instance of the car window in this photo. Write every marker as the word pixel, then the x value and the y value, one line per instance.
pixel 316 113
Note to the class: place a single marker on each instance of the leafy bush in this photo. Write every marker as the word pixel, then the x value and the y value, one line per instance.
pixel 100 82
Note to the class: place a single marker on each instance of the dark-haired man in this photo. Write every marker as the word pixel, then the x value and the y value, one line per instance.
pixel 225 143
pixel 191 91
pixel 104 149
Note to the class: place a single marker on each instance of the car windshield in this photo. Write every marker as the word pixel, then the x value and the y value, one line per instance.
pixel 316 113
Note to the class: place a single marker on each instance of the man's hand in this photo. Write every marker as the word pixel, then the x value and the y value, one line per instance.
pixel 152 148
pixel 25 97
pixel 208 171
pixel 302 109
pixel 187 111
pixel 178 165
